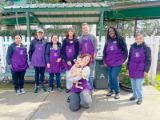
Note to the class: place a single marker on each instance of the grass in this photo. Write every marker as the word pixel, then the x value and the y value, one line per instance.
pixel 158 82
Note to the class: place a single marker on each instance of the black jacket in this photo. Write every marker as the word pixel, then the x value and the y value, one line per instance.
pixel 121 44
pixel 10 52
pixel 76 46
pixel 147 55
pixel 33 45
pixel 47 53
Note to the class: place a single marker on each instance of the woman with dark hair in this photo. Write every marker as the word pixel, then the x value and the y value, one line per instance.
pixel 53 59
pixel 70 48
pixel 17 60
pixel 81 93
pixel 114 55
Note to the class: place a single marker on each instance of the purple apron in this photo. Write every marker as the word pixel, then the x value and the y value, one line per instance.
pixel 114 55
pixel 70 51
pixel 87 47
pixel 85 84
pixel 137 63
pixel 54 66
pixel 38 57
pixel 19 60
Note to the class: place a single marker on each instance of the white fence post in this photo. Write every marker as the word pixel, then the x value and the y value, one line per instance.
pixel 2 55
pixel 154 53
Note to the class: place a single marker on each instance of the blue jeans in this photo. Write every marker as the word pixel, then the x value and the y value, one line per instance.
pixel 113 73
pixel 51 80
pixel 92 75
pixel 137 84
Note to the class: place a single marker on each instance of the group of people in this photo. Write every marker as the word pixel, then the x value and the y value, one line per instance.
pixel 76 57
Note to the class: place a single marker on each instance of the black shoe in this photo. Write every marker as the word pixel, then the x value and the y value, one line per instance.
pixel 110 93
pixel 68 99
pixel 36 89
pixel 132 98
pixel 117 96
pixel 139 102
pixel 67 90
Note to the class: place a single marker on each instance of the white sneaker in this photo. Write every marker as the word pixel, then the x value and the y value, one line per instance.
pixel 18 92
pixel 22 91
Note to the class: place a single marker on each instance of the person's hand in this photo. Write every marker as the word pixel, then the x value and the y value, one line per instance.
pixel 145 74
pixel 104 64
pixel 95 55
pixel 48 65
pixel 69 63
pixel 59 60
pixel 10 66
pixel 74 60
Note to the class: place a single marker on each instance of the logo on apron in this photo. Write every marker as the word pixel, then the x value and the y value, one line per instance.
pixel 85 45
pixel 55 54
pixel 69 50
pixel 111 48
pixel 137 54
pixel 21 52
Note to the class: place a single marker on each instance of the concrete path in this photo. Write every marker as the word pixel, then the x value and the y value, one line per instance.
pixel 53 106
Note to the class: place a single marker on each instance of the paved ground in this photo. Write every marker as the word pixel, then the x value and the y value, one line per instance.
pixel 53 106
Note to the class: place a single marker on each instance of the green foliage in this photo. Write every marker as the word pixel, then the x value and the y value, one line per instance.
pixel 15 32
pixel 48 32
pixel 124 77
pixel 48 1
pixel 158 82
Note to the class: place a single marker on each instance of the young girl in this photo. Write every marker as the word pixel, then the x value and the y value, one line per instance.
pixel 81 94
pixel 70 48
pixel 139 63
pixel 17 60
pixel 53 59
pixel 114 55
pixel 37 58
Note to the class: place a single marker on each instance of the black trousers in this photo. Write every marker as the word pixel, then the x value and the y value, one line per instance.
pixel 18 79
pixel 39 75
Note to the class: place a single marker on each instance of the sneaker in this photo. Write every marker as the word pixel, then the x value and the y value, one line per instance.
pixel 139 102
pixel 22 91
pixel 67 90
pixel 133 98
pixel 59 89
pixel 110 93
pixel 50 90
pixel 117 96
pixel 18 92
pixel 36 89
pixel 44 89
pixel 92 92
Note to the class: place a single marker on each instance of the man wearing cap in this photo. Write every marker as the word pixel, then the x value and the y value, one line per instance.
pixel 37 58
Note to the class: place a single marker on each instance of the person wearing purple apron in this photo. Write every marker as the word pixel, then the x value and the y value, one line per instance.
pixel 54 64
pixel 88 45
pixel 37 59
pixel 114 55
pixel 81 97
pixel 70 48
pixel 17 60
pixel 139 62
